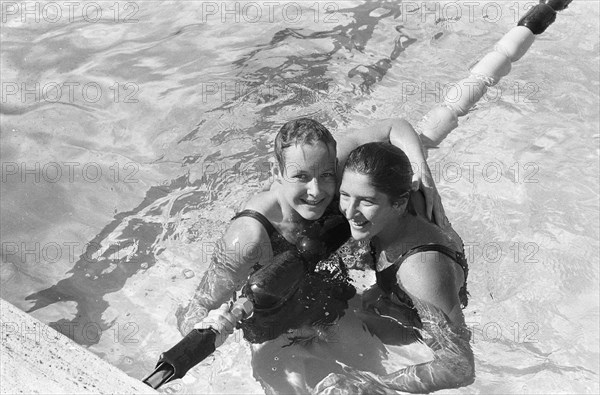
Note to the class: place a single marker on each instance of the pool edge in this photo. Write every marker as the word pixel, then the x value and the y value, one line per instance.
pixel 34 358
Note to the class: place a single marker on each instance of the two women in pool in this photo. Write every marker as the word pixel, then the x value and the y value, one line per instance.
pixel 308 167
pixel 305 185
pixel 418 265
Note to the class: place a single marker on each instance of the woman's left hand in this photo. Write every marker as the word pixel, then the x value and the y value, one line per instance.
pixel 433 202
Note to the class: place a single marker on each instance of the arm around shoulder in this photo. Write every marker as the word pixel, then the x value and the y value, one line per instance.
pixel 405 137
pixel 396 131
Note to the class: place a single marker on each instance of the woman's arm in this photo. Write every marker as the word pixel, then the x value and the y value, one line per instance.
pixel 396 131
pixel 244 244
pixel 404 136
pixel 432 280
pixel 453 364
pixel 400 133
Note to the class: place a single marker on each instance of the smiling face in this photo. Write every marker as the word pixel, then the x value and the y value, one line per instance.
pixel 369 211
pixel 308 179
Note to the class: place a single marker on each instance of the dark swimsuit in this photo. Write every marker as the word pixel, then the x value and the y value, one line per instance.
pixel 257 216
pixel 279 243
pixel 388 282
pixel 321 296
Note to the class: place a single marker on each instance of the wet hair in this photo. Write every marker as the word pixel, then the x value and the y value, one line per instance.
pixel 301 131
pixel 387 166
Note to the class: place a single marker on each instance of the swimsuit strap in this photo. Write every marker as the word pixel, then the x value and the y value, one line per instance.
pixel 456 256
pixel 387 277
pixel 259 217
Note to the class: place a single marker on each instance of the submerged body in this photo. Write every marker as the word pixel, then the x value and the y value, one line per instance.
pixel 419 265
pixel 306 181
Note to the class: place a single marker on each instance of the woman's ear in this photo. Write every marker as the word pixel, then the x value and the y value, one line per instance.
pixel 400 205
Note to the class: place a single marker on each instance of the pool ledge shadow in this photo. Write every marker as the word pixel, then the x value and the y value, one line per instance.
pixel 34 358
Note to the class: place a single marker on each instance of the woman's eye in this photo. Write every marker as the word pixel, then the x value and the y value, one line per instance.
pixel 300 177
pixel 328 175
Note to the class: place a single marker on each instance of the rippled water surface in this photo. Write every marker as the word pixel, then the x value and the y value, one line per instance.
pixel 141 139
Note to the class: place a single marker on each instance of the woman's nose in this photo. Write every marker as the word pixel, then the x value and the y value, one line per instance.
pixel 314 188
pixel 350 210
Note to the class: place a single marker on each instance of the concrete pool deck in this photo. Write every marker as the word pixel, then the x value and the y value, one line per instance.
pixel 35 359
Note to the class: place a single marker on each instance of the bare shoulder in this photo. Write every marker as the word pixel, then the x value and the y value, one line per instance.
pixel 426 268
pixel 247 235
pixel 264 203
pixel 434 278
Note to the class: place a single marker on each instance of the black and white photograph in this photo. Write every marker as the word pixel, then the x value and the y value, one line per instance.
pixel 300 197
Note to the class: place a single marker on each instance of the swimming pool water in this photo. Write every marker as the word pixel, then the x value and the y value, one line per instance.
pixel 128 143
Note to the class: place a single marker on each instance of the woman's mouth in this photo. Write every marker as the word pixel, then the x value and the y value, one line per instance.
pixel 312 202
pixel 358 224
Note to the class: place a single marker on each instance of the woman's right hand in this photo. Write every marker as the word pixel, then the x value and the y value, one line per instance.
pixel 220 320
